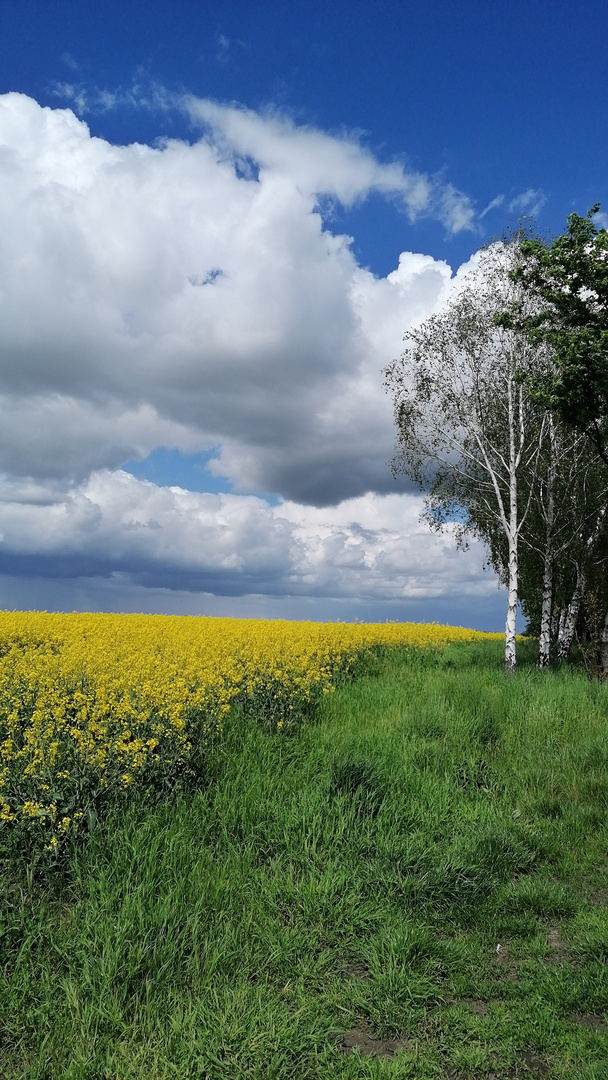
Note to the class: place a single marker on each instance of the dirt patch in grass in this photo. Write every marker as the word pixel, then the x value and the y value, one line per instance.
pixel 360 1038
pixel 474 1005
pixel 599 897
pixel 560 950
pixel 355 970
pixel 536 1065
pixel 503 962
pixel 480 1008
pixel 589 1020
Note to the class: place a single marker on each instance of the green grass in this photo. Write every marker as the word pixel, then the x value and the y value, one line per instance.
pixel 329 905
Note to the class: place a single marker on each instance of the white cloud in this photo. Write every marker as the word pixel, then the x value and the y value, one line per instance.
pixel 324 164
pixel 493 205
pixel 70 61
pixel 223 48
pixel 276 354
pixel 190 296
pixel 55 436
pixel 600 220
pixel 528 202
pixel 455 209
pixel 373 548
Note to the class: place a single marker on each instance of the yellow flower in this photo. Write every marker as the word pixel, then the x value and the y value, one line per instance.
pixel 114 698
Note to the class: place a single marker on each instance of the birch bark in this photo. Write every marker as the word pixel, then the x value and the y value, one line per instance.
pixel 512 538
pixel 544 641
pixel 568 625
pixel 604 647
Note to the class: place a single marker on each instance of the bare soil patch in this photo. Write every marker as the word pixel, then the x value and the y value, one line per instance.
pixel 356 970
pixel 560 950
pixel 532 1062
pixel 360 1038
pixel 590 1020
pixel 480 1008
pixel 504 963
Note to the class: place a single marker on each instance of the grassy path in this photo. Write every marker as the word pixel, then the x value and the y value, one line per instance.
pixel 331 904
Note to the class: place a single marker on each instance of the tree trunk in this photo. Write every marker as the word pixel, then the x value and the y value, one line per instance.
pixel 567 628
pixel 566 635
pixel 512 538
pixel 557 618
pixel 544 640
pixel 510 655
pixel 562 622
pixel 567 638
pixel 604 648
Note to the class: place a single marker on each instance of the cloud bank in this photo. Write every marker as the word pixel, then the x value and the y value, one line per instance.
pixel 189 295
pixel 370 547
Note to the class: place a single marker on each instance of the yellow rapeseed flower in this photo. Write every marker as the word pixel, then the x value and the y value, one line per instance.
pixel 92 702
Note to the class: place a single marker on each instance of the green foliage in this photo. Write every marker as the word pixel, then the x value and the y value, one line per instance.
pixel 569 280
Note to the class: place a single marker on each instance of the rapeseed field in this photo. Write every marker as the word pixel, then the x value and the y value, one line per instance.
pixel 95 706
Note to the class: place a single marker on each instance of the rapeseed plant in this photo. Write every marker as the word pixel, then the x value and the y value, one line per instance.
pixel 93 705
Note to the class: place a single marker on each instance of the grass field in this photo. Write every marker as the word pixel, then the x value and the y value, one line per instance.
pixel 330 902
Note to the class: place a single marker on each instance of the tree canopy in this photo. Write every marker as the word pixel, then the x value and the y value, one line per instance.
pixel 568 281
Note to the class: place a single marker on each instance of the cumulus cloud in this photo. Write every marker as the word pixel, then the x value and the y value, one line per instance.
pixel 166 296
pixel 323 164
pixel 191 296
pixel 372 547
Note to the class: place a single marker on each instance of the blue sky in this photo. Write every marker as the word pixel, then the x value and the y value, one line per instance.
pixel 213 314
pixel 503 98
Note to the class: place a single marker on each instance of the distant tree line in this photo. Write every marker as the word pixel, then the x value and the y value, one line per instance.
pixel 501 408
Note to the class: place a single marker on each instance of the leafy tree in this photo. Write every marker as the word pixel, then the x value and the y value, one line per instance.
pixel 466 428
pixel 561 539
pixel 566 285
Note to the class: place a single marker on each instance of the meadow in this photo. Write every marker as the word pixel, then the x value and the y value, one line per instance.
pixel 395 868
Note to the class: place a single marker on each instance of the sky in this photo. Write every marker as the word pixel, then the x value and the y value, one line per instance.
pixel 218 222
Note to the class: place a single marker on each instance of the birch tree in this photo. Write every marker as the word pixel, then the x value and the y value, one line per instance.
pixel 586 559
pixel 572 506
pixel 560 535
pixel 466 428
pixel 568 285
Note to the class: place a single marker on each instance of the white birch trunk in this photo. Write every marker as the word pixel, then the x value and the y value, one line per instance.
pixel 566 634
pixel 568 626
pixel 512 538
pixel 510 653
pixel 604 648
pixel 544 641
